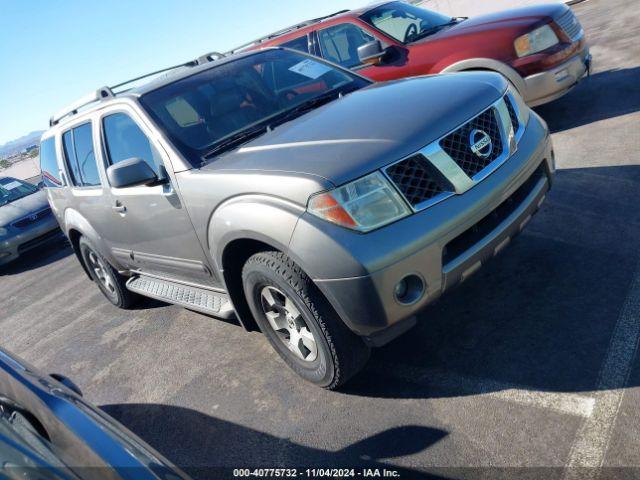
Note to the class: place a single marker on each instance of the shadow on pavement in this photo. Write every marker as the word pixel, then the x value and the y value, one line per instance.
pixel 202 445
pixel 146 303
pixel 603 95
pixel 541 315
pixel 48 253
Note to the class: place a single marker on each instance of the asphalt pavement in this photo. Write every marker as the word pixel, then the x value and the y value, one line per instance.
pixel 531 363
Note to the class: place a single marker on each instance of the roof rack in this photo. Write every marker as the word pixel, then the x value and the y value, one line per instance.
pixel 209 57
pixel 98 95
pixel 190 63
pixel 108 92
pixel 279 33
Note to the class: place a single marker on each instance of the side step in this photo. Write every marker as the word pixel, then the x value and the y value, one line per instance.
pixel 205 301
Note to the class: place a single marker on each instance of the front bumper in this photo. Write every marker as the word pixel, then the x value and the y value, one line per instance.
pixel 549 85
pixel 23 240
pixel 440 245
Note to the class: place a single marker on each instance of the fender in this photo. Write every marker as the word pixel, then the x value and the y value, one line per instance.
pixel 265 218
pixel 73 220
pixel 489 64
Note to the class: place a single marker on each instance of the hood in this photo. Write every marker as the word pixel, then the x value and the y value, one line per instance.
pixel 23 207
pixel 369 128
pixel 523 18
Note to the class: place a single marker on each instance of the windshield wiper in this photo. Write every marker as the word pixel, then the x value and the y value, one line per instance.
pixel 306 106
pixel 437 28
pixel 235 140
pixel 265 126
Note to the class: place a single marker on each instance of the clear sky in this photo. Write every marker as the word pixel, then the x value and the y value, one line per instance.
pixel 53 52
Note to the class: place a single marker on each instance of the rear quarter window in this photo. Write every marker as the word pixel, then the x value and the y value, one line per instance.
pixel 49 164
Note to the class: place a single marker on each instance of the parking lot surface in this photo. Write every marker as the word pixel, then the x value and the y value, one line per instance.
pixel 531 363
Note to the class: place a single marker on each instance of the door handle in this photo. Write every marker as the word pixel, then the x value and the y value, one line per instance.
pixel 118 207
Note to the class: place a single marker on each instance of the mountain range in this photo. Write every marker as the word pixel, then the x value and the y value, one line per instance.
pixel 19 144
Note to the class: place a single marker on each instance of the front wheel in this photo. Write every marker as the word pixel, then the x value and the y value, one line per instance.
pixel 299 322
pixel 110 282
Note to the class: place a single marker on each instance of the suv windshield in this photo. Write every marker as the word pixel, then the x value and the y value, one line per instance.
pixel 231 103
pixel 406 23
pixel 11 189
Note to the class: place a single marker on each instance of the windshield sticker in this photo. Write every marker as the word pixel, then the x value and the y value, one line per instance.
pixel 11 185
pixel 310 69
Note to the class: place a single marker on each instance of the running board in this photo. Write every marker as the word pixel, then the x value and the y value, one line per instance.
pixel 205 301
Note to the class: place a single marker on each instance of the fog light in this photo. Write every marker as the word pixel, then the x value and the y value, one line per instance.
pixel 401 289
pixel 409 290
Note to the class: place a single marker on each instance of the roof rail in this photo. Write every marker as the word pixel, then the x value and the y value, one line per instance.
pixel 98 95
pixel 190 63
pixel 284 31
pixel 209 57
pixel 108 92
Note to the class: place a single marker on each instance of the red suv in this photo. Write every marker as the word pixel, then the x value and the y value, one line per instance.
pixel 540 49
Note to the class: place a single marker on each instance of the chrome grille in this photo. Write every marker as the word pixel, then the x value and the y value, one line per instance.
pixel 512 114
pixel 414 179
pixel 457 144
pixel 570 25
pixel 454 163
pixel 30 219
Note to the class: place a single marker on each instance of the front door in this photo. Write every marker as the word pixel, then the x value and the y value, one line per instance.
pixel 339 44
pixel 151 231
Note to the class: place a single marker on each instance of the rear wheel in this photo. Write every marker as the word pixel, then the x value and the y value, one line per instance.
pixel 110 282
pixel 299 322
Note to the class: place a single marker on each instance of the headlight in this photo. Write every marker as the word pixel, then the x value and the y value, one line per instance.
pixel 3 232
pixel 363 205
pixel 535 41
pixel 521 107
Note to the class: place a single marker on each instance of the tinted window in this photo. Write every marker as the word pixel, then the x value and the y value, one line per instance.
pixel 49 164
pixel 78 150
pixel 230 97
pixel 70 155
pixel 124 140
pixel 83 142
pixel 301 43
pixel 339 44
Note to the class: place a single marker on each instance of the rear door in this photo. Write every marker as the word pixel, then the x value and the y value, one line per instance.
pixel 149 228
pixel 82 177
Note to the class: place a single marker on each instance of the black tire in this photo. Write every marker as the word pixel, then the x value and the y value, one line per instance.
pixel 114 290
pixel 340 354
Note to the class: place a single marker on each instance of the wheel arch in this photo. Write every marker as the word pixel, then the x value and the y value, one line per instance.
pixel 77 226
pixel 241 227
pixel 234 256
pixel 74 238
pixel 489 64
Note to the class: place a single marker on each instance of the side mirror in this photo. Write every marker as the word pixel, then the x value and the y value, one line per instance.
pixel 131 172
pixel 371 52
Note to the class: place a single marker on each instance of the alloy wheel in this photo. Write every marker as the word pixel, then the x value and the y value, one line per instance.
pixel 102 274
pixel 288 324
